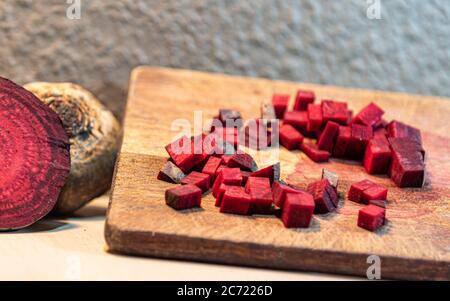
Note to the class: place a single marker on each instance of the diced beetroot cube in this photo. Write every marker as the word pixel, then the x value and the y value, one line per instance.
pixel 299 120
pixel 335 111
pixel 371 115
pixel 406 146
pixel 407 170
pixel 226 159
pixel 324 196
pixel 315 118
pixel 222 189
pixel 314 153
pixel 272 172
pixel 236 201
pixel 302 100
pixel 181 153
pixel 184 197
pixel 290 138
pixel 219 169
pixel 245 176
pixel 380 125
pixel 332 177
pixel 243 161
pixel 254 184
pixel 361 136
pixel 229 176
pixel 298 210
pixel 356 190
pixel 211 167
pixel 380 132
pixel 342 142
pixel 328 137
pixel 365 191
pixel 280 103
pixel 171 173
pixel 279 193
pixel 378 156
pixel 371 217
pixel 397 129
pixel 374 193
pixel 201 180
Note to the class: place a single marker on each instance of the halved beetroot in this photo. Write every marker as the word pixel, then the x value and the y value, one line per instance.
pixel 243 161
pixel 184 197
pixel 328 137
pixel 171 173
pixel 397 129
pixel 315 118
pixel 201 180
pixel 290 138
pixel 371 115
pixel 342 141
pixel 335 111
pixel 371 217
pixel 361 136
pixel 34 157
pixel 236 201
pixel 229 176
pixel 378 155
pixel 324 195
pixel 298 210
pixel 279 191
pixel 302 100
pixel 314 153
pixel 280 104
pixel 272 172
pixel 211 167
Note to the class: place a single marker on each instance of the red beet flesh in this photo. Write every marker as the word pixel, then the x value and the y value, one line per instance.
pixel 34 157
pixel 335 111
pixel 299 120
pixel 229 176
pixel 211 167
pixel 398 129
pixel 184 197
pixel 302 100
pixel 324 195
pixel 183 155
pixel 260 195
pixel 360 138
pixel 236 201
pixel 371 115
pixel 298 210
pixel 365 191
pixel 371 217
pixel 201 180
pixel 315 118
pixel 314 153
pixel 378 156
pixel 342 141
pixel 290 138
pixel 243 161
pixel 279 191
pixel 272 172
pixel 280 104
pixel 328 137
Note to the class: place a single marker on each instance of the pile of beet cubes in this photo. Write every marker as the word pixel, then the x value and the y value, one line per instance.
pixel 215 161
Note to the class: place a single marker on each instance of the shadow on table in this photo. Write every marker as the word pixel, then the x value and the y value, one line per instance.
pixel 45 225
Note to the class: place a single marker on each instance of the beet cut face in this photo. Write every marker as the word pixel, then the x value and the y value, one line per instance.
pixel 211 167
pixel 280 104
pixel 298 119
pixel 365 191
pixel 360 138
pixel 374 193
pixel 328 137
pixel 260 194
pixel 254 184
pixel 184 197
pixel 171 173
pixel 222 189
pixel 303 99
pixel 324 195
pixel 290 138
pixel 342 141
pixel 229 176
pixel 183 154
pixel 279 191
pixel 335 111
pixel 407 170
pixel 298 210
pixel 34 157
pixel 371 115
pixel 371 217
pixel 201 180
pixel 378 156
pixel 272 172
pixel 243 161
pixel 315 118
pixel 314 153
pixel 397 129
pixel 236 201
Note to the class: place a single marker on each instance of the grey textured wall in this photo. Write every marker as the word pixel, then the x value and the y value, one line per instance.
pixel 321 41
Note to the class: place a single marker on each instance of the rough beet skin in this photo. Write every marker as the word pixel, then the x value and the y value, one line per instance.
pixel 34 157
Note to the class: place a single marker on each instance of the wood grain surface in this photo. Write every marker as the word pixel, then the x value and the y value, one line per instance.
pixel 415 243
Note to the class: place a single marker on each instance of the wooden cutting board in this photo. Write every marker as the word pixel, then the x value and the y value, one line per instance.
pixel 415 243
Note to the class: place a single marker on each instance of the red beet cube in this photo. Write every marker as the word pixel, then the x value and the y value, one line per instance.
pixel 398 129
pixel 245 176
pixel 236 201
pixel 361 136
pixel 211 167
pixel 315 118
pixel 371 115
pixel 335 111
pixel 342 141
pixel 407 170
pixel 280 104
pixel 201 180
pixel 290 138
pixel 298 210
pixel 171 173
pixel 222 189
pixel 254 184
pixel 378 156
pixel 229 176
pixel 260 194
pixel 328 137
pixel 184 197
pixel 324 195
pixel 371 217
pixel 272 172
pixel 181 153
pixel 406 146
pixel 302 100
pixel 279 193
pixel 314 153
pixel 215 145
pixel 243 161
pixel 219 169
pixel 299 120
pixel 365 191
